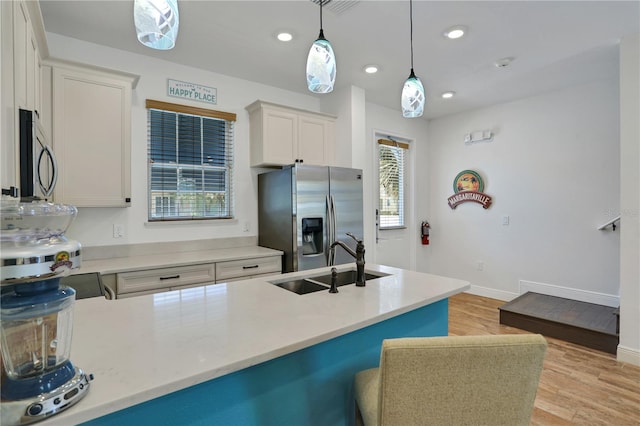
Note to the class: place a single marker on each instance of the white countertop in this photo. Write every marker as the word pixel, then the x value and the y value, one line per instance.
pixel 152 261
pixel 148 346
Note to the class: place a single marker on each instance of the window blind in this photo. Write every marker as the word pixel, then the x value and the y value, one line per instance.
pixel 391 176
pixel 190 152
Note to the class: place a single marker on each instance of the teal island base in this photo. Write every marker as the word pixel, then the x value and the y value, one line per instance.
pixel 312 386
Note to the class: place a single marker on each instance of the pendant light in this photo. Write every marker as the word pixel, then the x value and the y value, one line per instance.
pixel 321 63
pixel 156 23
pixel 413 92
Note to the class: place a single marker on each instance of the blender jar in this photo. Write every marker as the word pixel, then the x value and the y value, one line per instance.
pixel 36 331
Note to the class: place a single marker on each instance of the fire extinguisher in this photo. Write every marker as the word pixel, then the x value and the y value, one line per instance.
pixel 424 232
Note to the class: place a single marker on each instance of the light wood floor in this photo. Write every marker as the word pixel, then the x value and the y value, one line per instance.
pixel 579 386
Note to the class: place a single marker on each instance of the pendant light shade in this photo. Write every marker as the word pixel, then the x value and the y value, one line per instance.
pixel 413 98
pixel 156 23
pixel 321 63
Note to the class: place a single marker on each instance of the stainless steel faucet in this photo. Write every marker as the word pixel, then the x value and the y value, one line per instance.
pixel 358 255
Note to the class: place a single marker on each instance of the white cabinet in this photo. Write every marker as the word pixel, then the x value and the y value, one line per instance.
pixel 158 280
pixel 234 270
pixel 282 135
pixel 149 281
pixel 26 58
pixel 46 108
pixel 21 54
pixel 23 42
pixel 92 135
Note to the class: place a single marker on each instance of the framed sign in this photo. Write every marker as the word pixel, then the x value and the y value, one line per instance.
pixel 194 92
pixel 468 186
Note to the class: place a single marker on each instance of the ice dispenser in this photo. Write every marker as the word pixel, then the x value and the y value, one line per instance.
pixel 312 236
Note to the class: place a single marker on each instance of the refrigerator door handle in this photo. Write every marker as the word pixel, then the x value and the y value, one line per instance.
pixel 329 240
pixel 332 229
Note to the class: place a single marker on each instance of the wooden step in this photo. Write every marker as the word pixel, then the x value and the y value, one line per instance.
pixel 586 324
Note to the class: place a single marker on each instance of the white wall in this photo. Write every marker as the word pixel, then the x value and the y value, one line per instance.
pixel 93 226
pixel 400 245
pixel 553 168
pixel 629 348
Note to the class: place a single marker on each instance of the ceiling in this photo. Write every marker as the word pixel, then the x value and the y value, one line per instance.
pixel 554 44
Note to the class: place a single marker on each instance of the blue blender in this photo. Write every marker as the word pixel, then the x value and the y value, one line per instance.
pixel 38 380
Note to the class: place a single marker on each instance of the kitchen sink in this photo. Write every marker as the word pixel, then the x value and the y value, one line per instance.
pixel 347 277
pixel 301 286
pixel 323 282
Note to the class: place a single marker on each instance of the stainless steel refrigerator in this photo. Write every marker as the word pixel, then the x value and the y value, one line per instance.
pixel 303 209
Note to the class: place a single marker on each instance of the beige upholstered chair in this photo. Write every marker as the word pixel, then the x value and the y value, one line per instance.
pixel 456 380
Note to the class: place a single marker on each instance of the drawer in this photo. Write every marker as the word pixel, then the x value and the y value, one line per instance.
pixel 248 267
pixel 153 279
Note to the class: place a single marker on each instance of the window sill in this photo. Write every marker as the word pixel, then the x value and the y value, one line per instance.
pixel 392 228
pixel 190 222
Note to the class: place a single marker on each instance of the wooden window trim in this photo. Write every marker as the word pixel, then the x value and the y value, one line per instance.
pixel 185 109
pixel 395 144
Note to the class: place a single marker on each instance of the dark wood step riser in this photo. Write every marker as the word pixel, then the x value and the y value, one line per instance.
pixel 592 339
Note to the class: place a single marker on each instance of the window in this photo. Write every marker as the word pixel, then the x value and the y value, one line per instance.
pixel 391 156
pixel 190 153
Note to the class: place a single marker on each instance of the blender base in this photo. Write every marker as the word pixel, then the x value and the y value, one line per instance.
pixel 30 410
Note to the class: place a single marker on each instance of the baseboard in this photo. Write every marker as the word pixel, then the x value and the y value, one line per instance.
pixel 492 293
pixel 570 293
pixel 628 355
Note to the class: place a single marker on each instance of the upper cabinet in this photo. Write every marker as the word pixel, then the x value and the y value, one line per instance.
pixel 26 59
pixel 281 135
pixel 92 135
pixel 23 44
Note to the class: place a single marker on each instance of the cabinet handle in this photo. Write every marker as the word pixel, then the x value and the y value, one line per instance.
pixel 174 277
pixel 250 267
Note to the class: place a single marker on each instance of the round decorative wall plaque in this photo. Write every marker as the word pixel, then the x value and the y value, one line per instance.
pixel 468 186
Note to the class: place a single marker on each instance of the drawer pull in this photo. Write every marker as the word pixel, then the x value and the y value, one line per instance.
pixel 173 277
pixel 250 267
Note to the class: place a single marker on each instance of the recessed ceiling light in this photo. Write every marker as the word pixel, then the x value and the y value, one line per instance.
pixel 504 62
pixel 283 36
pixel 371 69
pixel 448 95
pixel 455 32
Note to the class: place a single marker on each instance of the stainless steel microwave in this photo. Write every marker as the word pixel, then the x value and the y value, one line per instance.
pixel 38 166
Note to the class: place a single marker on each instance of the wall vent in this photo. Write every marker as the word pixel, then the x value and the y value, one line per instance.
pixel 337 7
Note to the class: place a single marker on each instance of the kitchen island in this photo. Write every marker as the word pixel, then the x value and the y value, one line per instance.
pixel 245 353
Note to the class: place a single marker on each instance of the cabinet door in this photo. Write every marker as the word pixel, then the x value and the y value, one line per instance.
pixel 21 42
pixel 92 138
pixel 33 72
pixel 314 136
pixel 8 98
pixel 280 137
pixel 45 108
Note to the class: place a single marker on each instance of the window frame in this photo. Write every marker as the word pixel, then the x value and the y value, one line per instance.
pixel 227 167
pixel 400 182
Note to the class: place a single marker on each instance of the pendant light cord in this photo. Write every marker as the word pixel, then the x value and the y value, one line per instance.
pixel 321 36
pixel 410 29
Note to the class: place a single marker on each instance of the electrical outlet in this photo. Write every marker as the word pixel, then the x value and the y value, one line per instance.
pixel 246 227
pixel 118 230
pixel 480 266
pixel 505 220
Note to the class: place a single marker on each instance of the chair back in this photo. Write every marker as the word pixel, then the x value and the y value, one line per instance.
pixel 460 380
